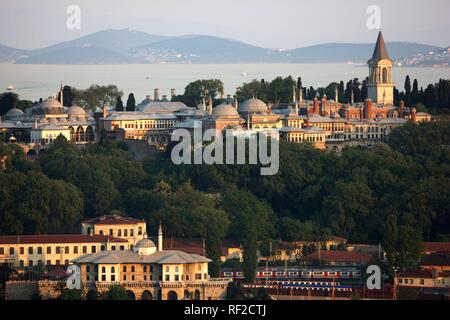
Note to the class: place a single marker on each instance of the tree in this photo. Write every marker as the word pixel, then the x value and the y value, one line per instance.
pixel 415 99
pixel 202 89
pixel 68 96
pixel 72 294
pixel 131 102
pixel 96 96
pixel 8 101
pixel 119 104
pixel 117 292
pixel 408 91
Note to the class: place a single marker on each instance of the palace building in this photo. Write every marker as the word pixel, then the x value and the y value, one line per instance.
pixel 148 272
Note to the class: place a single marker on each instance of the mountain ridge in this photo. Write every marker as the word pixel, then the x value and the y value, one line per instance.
pixel 131 46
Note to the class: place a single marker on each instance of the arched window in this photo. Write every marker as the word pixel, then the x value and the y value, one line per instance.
pixel 72 134
pixel 113 270
pixel 124 269
pixel 132 269
pixel 80 137
pixel 385 75
pixel 90 134
pixel 88 269
pixel 103 270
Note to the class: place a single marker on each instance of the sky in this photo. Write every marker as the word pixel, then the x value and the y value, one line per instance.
pixel 29 24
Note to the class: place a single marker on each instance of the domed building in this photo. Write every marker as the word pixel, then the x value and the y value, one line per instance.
pixel 150 273
pixel 41 124
pixel 14 114
pixel 222 117
pixel 253 106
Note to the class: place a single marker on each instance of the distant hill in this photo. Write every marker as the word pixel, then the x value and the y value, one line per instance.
pixel 129 46
pixel 8 54
pixel 77 55
pixel 344 52
pixel 203 49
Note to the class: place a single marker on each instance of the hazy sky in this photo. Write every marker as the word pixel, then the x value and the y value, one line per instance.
pixel 30 24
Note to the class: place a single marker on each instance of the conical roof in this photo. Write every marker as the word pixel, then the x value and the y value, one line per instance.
pixel 380 51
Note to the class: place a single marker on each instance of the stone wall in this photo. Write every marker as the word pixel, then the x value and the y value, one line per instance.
pixel 31 290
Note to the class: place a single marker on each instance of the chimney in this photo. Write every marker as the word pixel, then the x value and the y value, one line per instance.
pixel 316 106
pixel 307 117
pixel 172 93
pixel 368 109
pixel 361 113
pixel 156 95
pixel 401 109
pixel 324 105
pixel 61 95
pixel 347 112
pixel 414 115
pixel 105 111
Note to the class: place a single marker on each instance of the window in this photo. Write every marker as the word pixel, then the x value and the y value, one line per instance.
pixel 132 278
pixel 30 263
pixel 113 248
pixel 113 277
pixel 111 232
pixel 132 269
pixel 75 250
pixel 177 277
pixel 102 248
pixel 101 232
pixel 124 269
pixel 2 250
pixel 88 269
pixel 94 249
pixel 124 278
pixel 103 278
pixel 422 281
pixel 84 249
pixel 122 248
pixel 66 250
pixel 11 250
pixel 145 277
pixel 39 250
pixel 167 268
pixel 167 277
pixel 21 263
pixel 113 270
pixel 49 262
pixel 131 232
pixel 151 268
pixel 49 250
pixel 125 232
pixel 145 268
pixel 58 250
pixel 66 262
pixel 140 231
pixel 30 250
pixel 103 269
pixel 177 269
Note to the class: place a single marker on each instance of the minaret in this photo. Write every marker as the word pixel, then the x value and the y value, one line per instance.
pixel 160 238
pixel 210 106
pixel 61 95
pixel 300 96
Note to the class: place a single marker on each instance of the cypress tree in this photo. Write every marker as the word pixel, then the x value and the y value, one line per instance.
pixel 119 104
pixel 131 103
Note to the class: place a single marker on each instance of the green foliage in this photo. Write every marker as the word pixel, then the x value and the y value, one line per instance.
pixel 90 98
pixel 197 90
pixel 116 292
pixel 72 294
pixel 8 100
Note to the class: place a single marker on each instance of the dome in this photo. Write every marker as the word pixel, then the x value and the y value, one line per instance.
pixel 225 110
pixel 145 243
pixel 14 113
pixel 76 110
pixel 253 106
pixel 51 103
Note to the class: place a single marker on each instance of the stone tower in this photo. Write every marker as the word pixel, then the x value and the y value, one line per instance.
pixel 380 87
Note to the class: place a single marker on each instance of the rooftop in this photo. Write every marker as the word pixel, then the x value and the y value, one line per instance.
pixel 61 238
pixel 340 256
pixel 112 219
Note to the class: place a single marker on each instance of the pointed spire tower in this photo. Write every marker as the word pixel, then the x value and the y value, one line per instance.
pixel 160 237
pixel 380 74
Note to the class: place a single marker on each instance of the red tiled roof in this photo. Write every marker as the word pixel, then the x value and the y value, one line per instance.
pixel 416 274
pixel 436 259
pixel 341 256
pixel 112 219
pixel 193 246
pixel 436 246
pixel 58 238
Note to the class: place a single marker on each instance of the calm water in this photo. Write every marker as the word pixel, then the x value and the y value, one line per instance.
pixel 35 81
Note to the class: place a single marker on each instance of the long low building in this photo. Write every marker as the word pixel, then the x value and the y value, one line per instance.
pixel 33 250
